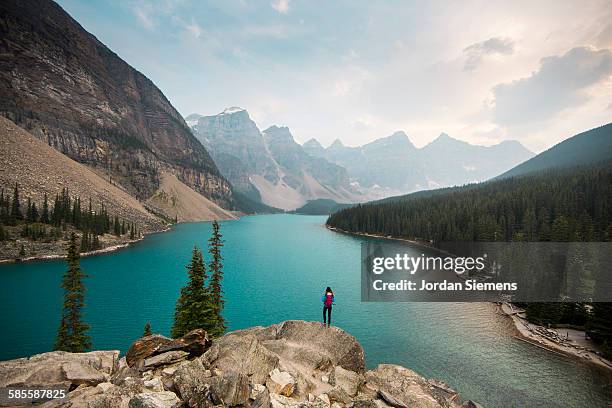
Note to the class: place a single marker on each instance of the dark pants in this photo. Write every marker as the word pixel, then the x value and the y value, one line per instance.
pixel 327 319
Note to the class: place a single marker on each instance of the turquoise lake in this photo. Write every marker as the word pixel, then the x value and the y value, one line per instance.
pixel 276 267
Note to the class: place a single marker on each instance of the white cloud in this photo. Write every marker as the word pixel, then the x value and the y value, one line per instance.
pixel 282 6
pixel 561 82
pixel 476 52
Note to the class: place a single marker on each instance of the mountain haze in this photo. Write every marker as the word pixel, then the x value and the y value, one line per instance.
pixel 393 165
pixel 269 166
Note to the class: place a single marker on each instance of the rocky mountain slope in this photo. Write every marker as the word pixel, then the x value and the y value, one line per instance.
pixel 269 166
pixel 177 201
pixel 69 90
pixel 291 364
pixel 393 165
pixel 39 169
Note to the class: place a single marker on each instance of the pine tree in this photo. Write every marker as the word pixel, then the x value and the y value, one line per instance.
pixel 16 206
pixel 34 213
pixel 116 226
pixel 72 333
pixel 215 243
pixel 28 216
pixel 147 330
pixel 194 308
pixel 22 251
pixel 2 233
pixel 44 217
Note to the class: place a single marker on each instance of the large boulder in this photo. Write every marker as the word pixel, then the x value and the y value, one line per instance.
pixel 195 343
pixel 305 351
pixel 347 380
pixel 342 348
pixel 190 383
pixel 241 353
pixel 402 388
pixel 59 368
pixel 229 389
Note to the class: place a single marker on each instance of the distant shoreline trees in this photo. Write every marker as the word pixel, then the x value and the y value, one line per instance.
pixel 200 303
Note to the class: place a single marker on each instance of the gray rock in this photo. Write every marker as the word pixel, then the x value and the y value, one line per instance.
pixel 349 381
pixel 242 353
pixel 166 358
pixel 190 385
pixel 338 394
pixel 262 400
pixel 401 387
pixel 59 367
pixel 229 389
pixel 391 400
pixel 343 349
pixel 163 399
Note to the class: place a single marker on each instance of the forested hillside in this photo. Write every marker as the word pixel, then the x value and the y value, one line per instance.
pixel 570 205
pixel 583 149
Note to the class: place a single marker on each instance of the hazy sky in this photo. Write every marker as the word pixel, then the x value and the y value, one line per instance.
pixel 481 71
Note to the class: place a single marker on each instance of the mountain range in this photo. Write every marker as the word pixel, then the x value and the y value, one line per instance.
pixel 269 166
pixel 393 165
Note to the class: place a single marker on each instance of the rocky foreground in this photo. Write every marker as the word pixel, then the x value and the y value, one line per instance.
pixel 291 364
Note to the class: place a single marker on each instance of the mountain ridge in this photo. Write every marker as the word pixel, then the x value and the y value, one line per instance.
pixel 392 165
pixel 60 83
pixel 269 166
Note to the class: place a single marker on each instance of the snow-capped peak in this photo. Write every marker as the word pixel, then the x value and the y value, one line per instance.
pixel 230 110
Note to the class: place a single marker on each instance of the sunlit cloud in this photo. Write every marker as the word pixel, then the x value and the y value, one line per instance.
pixel 560 83
pixel 475 53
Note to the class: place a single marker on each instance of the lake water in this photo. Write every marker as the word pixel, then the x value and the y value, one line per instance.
pixel 276 267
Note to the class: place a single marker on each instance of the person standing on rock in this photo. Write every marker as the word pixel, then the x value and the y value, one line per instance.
pixel 328 300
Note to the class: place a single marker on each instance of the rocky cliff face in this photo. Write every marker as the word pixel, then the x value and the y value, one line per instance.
pixel 269 166
pixel 393 165
pixel 66 88
pixel 291 364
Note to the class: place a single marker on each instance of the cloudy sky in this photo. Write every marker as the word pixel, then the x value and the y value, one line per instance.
pixel 481 71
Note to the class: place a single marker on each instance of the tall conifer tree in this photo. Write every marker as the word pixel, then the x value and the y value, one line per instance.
pixel 215 243
pixel 194 308
pixel 72 333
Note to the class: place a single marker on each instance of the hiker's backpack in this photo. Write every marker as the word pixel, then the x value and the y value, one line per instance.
pixel 329 299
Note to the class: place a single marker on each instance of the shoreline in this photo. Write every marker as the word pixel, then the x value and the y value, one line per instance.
pixel 101 251
pixel 388 237
pixel 523 329
pixel 111 248
pixel 526 332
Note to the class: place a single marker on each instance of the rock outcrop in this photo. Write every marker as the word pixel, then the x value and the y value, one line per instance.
pixel 291 364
